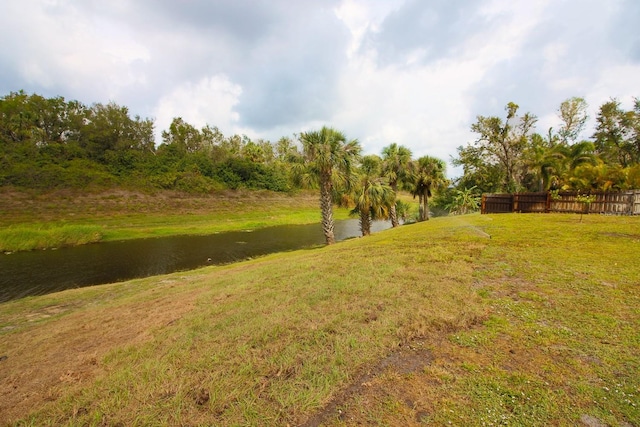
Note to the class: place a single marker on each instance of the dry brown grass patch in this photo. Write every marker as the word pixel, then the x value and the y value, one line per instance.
pixel 68 351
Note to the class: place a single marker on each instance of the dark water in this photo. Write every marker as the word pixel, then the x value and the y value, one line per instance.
pixel 40 272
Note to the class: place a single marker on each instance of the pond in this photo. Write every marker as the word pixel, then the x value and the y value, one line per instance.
pixel 40 272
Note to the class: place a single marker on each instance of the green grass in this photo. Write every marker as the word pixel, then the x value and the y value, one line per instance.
pixel 42 236
pixel 519 320
pixel 38 235
pixel 44 221
pixel 137 226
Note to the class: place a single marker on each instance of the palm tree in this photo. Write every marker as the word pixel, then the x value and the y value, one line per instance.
pixel 328 161
pixel 602 177
pixel 396 162
pixel 373 200
pixel 574 156
pixel 464 201
pixel 429 175
pixel 582 153
pixel 545 163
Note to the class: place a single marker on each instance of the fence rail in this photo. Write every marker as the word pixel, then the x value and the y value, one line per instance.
pixel 621 203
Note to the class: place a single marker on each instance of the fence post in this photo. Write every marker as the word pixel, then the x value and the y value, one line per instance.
pixel 547 207
pixel 483 205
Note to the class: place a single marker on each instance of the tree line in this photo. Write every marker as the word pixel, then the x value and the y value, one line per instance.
pixel 509 156
pixel 48 143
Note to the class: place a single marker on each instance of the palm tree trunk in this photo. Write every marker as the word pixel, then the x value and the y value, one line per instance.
pixel 326 207
pixel 365 223
pixel 393 215
pixel 425 209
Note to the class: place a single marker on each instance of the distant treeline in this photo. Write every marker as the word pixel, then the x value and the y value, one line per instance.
pixel 509 156
pixel 49 143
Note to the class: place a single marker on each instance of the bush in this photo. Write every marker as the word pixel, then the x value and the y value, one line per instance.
pixel 81 173
pixel 194 182
pixel 240 172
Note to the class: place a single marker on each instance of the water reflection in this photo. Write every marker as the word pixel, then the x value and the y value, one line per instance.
pixel 41 272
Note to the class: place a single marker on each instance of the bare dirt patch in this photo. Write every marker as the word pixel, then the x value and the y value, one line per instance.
pixel 623 235
pixel 404 361
pixel 44 362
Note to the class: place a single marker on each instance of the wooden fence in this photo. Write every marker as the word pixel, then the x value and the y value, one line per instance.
pixel 621 203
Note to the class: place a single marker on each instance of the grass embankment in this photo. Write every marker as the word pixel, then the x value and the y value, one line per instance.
pixel 39 221
pixel 516 320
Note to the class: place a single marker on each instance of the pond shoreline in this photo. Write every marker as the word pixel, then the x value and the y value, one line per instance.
pixel 42 272
pixel 31 221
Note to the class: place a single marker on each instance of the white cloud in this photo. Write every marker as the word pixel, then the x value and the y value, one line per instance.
pixel 384 71
pixel 616 81
pixel 426 106
pixel 422 107
pixel 361 16
pixel 209 101
pixel 62 47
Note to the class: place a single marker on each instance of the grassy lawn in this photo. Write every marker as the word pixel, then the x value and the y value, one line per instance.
pixel 39 221
pixel 510 319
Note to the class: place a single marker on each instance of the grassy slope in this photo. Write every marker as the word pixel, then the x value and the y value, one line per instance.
pixel 433 322
pixel 37 221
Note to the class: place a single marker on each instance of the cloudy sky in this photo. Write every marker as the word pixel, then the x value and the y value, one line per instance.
pixel 415 72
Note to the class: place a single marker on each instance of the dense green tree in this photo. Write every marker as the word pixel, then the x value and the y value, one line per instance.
pixel 396 167
pixel 286 155
pixel 260 151
pixel 42 141
pixel 240 172
pixel 503 143
pixel 558 161
pixel 184 136
pixel 213 141
pixel 268 151
pixel 328 160
pixel 617 136
pixel 232 145
pixel 110 128
pixel 253 152
pixel 552 161
pixel 477 172
pixel 573 113
pixel 371 165
pixel 286 149
pixel 15 118
pixel 37 121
